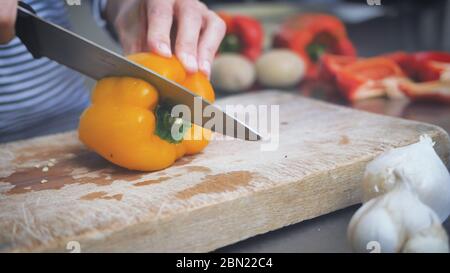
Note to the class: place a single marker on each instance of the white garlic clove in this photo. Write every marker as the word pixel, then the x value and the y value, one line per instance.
pixel 431 240
pixel 416 164
pixel 393 219
pixel 374 224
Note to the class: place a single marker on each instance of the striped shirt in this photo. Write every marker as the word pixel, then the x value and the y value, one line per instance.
pixel 36 94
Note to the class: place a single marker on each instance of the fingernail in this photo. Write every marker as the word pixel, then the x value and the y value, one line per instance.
pixel 205 67
pixel 189 62
pixel 164 50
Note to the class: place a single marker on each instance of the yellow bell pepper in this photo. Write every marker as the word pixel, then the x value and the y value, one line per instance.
pixel 126 124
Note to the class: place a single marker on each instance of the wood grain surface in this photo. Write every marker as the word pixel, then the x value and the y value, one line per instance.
pixel 53 190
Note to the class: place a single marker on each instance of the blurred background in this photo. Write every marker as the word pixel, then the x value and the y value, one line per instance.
pixel 374 27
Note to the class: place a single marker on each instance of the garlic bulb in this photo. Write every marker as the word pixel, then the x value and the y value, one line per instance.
pixel 406 193
pixel 417 163
pixel 432 239
pixel 388 221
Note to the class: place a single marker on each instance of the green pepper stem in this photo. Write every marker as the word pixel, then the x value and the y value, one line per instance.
pixel 230 43
pixel 165 122
pixel 315 51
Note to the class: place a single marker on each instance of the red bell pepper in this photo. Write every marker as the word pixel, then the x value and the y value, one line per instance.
pixel 432 66
pixel 419 76
pixel 245 35
pixel 429 74
pixel 372 77
pixel 331 64
pixel 423 66
pixel 311 35
pixel 435 91
pixel 405 61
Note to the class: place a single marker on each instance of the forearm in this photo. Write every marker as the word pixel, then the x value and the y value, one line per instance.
pixel 8 13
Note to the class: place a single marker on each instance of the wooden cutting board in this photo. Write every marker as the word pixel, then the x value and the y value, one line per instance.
pixel 230 192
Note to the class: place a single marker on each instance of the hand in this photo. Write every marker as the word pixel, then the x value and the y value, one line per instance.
pixel 8 14
pixel 156 25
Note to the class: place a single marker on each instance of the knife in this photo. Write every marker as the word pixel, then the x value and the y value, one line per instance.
pixel 45 39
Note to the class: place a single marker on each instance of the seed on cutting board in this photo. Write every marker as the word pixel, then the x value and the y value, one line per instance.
pixel 43 181
pixel 37 166
pixel 50 164
pixel 52 160
pixel 45 169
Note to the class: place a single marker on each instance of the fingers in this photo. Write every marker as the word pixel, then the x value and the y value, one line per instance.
pixel 211 37
pixel 159 24
pixel 149 25
pixel 189 15
pixel 8 14
pixel 130 24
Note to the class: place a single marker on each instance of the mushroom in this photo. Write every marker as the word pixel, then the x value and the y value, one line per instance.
pixel 232 73
pixel 280 68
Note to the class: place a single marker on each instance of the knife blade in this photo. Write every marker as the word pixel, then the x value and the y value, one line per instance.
pixel 45 39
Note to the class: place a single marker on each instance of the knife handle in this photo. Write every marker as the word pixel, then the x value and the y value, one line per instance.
pixel 25 29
